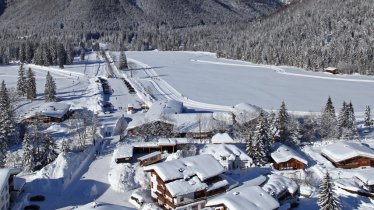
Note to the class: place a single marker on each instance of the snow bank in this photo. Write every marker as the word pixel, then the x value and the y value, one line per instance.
pixel 121 178
pixel 277 185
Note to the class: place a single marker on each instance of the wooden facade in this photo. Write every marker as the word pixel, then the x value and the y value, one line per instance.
pixel 164 199
pixel 292 164
pixel 47 119
pixel 353 162
pixel 150 159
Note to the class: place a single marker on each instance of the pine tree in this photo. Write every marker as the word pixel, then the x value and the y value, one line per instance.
pixel 49 153
pixel 39 58
pixel 82 54
pixel 47 56
pixel 7 127
pixel 50 89
pixel 328 121
pixel 261 141
pixel 65 146
pixel 327 198
pixel 22 53
pixel 123 61
pixel 70 55
pixel 283 134
pixel 347 127
pixel 31 85
pixel 368 122
pixel 61 55
pixel 29 52
pixel 352 127
pixel 28 154
pixel 21 82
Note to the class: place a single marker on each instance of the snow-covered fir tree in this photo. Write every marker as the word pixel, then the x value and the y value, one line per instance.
pixel 21 82
pixel 69 55
pixel 261 141
pixel 61 55
pixel 28 154
pixel 327 198
pixel 283 134
pixel 7 127
pixel 65 146
pixel 368 122
pixel 123 61
pixel 347 128
pixel 50 88
pixel 47 56
pixel 22 53
pixel 31 85
pixel 29 52
pixel 328 121
pixel 38 57
pixel 48 154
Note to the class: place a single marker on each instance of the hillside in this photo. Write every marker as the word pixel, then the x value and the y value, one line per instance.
pixel 114 15
pixel 311 34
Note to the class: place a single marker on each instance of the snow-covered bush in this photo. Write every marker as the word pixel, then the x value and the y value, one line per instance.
pixel 142 178
pixel 177 155
pixel 121 178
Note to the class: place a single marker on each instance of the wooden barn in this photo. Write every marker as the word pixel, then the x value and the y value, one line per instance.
pixel 285 158
pixel 186 183
pixel 49 112
pixel 348 154
pixel 331 70
pixel 149 159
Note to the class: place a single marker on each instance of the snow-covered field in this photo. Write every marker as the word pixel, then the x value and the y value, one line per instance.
pixel 202 77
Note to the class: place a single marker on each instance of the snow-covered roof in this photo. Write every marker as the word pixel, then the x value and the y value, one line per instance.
pixel 149 155
pixel 183 187
pixel 161 142
pixel 160 108
pixel 123 151
pixel 50 109
pixel 203 166
pixel 344 150
pixel 245 112
pixel 330 68
pixel 102 206
pixel 283 153
pixel 366 176
pixel 277 185
pixel 249 198
pixel 222 138
pixel 229 151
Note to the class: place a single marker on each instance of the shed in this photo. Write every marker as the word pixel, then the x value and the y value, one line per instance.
pixel 331 70
pixel 149 159
pixel 365 179
pixel 123 153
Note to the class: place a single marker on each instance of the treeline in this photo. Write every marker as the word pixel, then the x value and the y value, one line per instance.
pixel 282 127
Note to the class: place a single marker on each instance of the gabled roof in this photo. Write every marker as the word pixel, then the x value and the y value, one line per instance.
pixel 229 151
pixel 202 166
pixel 344 150
pixel 50 109
pixel 222 138
pixel 123 151
pixel 282 153
pixel 248 198
pixel 366 176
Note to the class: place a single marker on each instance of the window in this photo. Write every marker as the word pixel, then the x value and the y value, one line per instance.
pixel 223 158
pixel 181 199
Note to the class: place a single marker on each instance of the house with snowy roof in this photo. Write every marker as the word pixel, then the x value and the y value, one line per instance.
pixel 285 158
pixel 345 154
pixel 229 155
pixel 49 112
pixel 365 179
pixel 245 112
pixel 10 186
pixel 244 197
pixel 281 187
pixel 165 118
pixel 186 183
pixel 222 138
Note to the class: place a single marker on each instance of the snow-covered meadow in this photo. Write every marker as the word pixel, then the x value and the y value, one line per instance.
pixel 202 77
